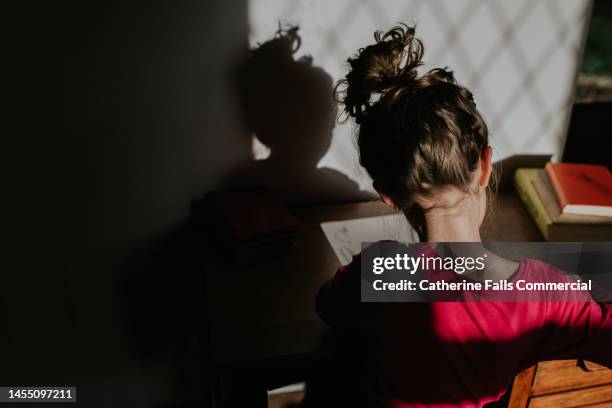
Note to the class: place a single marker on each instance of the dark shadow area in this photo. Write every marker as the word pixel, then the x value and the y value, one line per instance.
pixel 162 289
pixel 119 110
pixel 287 105
pixel 588 135
pixel 164 293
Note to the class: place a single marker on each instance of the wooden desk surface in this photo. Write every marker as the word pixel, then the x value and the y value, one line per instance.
pixel 266 310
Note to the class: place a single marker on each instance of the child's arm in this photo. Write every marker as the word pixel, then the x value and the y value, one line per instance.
pixel 578 326
pixel 583 330
pixel 338 302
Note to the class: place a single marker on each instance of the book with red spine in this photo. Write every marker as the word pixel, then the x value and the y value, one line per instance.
pixel 582 189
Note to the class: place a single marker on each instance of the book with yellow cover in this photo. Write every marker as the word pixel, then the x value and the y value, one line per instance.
pixel 523 179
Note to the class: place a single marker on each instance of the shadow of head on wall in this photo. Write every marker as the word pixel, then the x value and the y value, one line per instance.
pixel 287 104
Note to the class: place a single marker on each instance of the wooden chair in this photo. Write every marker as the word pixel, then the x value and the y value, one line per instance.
pixel 562 383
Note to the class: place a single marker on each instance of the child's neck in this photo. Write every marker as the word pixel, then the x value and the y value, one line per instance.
pixel 459 223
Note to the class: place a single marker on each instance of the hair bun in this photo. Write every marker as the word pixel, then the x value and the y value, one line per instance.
pixel 389 63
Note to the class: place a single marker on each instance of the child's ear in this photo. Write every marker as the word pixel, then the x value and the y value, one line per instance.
pixel 387 200
pixel 486 167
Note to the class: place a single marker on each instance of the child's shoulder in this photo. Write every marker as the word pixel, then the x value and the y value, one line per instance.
pixel 537 270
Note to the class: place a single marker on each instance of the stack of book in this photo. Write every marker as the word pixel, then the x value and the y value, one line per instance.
pixel 249 226
pixel 568 201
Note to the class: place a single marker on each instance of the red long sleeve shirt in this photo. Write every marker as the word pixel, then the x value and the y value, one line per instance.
pixel 465 354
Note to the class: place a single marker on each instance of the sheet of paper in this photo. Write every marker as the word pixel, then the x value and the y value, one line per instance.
pixel 346 236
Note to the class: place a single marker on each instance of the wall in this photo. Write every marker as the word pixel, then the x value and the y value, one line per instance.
pixel 519 58
pixel 124 116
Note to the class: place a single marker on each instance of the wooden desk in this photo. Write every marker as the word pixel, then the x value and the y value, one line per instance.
pixel 262 317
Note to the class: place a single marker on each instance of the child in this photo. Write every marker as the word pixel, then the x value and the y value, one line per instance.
pixel 425 146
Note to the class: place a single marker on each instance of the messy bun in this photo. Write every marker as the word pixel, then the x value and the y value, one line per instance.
pixel 415 132
pixel 387 67
pixel 379 68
